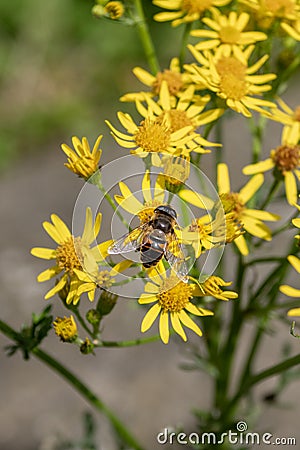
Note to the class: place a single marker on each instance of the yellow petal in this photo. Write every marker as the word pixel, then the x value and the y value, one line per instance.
pixel 88 235
pixel 61 227
pixel 261 215
pixel 295 262
pixel 151 288
pixel 146 187
pixel 120 267
pixel 188 322
pixel 56 288
pixel 223 179
pixel 251 187
pixel 177 326
pixel 199 200
pixel 164 327
pixel 294 312
pixel 198 311
pixel 164 96
pixel 150 317
pixel 290 291
pixel 259 167
pixel 144 76
pixel 44 253
pixel 145 299
pixel 53 232
pixel 48 274
pixel 242 245
pixel 290 188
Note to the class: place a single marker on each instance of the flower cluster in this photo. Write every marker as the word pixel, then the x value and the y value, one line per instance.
pixel 230 71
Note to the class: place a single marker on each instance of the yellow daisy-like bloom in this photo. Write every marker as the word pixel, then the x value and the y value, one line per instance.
pixel 289 290
pixel 235 204
pixel 211 287
pixel 152 198
pixel 150 135
pixel 226 32
pixel 229 76
pixel 285 160
pixel 102 279
pixel 172 300
pixel 184 11
pixel 70 254
pixel 176 81
pixel 83 162
pixel 176 171
pixel 65 328
pixel 185 113
pixel 266 11
pixel 290 119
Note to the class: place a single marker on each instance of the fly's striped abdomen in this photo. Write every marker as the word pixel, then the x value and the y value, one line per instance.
pixel 153 248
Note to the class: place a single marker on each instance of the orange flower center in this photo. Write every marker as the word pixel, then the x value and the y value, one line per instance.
pixel 286 158
pixel 232 74
pixel 195 6
pixel 229 35
pixel 178 119
pixel 69 255
pixel 152 136
pixel 173 79
pixel 174 295
pixel 232 204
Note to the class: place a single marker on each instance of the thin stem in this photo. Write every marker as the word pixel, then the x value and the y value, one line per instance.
pixel 79 386
pixel 132 343
pixel 184 41
pixel 145 37
pixel 112 203
pixel 273 189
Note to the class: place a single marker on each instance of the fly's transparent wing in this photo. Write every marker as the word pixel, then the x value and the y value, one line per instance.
pixel 176 258
pixel 129 242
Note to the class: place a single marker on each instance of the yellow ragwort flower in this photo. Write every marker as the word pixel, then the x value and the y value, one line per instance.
pixel 235 204
pixel 289 290
pixel 70 254
pixel 229 76
pixel 65 328
pixel 83 162
pixel 226 32
pixel 285 160
pixel 176 81
pixel 172 301
pixel 267 11
pixel 212 287
pixel 184 11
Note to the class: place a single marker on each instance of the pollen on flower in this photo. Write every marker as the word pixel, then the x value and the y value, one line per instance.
pixel 177 119
pixel 229 35
pixel 173 79
pixel 280 8
pixel 286 158
pixel 146 214
pixel 152 136
pixel 196 6
pixel 232 204
pixel 232 77
pixel 65 328
pixel 69 255
pixel 174 295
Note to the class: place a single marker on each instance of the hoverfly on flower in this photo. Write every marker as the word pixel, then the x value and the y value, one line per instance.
pixel 154 240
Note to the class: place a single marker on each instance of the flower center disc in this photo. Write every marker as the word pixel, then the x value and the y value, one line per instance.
pixel 69 255
pixel 229 35
pixel 173 80
pixel 195 6
pixel 152 136
pixel 280 8
pixel 232 77
pixel 174 295
pixel 286 158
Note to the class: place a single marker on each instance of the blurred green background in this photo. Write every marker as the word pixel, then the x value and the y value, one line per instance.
pixel 63 71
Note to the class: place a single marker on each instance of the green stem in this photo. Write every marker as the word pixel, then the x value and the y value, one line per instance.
pixel 184 41
pixel 79 386
pixel 109 199
pixel 273 189
pixel 132 343
pixel 145 37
